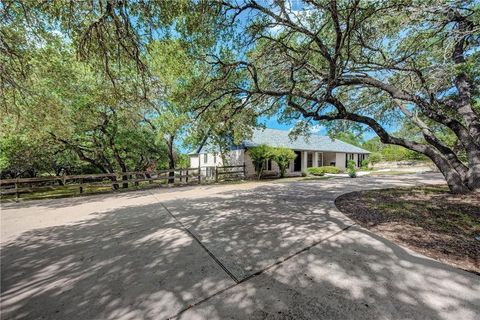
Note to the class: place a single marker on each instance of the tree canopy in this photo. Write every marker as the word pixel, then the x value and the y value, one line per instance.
pixel 115 83
pixel 369 63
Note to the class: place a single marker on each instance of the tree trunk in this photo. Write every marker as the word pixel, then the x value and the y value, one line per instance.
pixel 171 159
pixel 454 179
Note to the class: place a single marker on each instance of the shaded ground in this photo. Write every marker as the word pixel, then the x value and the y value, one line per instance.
pixel 247 251
pixel 429 220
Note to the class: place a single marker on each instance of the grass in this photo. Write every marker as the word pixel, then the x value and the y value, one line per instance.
pixel 295 179
pixel 429 220
pixel 392 172
pixel 64 192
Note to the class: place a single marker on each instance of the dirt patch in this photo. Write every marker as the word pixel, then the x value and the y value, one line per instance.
pixel 429 220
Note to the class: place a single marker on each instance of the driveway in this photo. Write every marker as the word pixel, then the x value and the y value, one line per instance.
pixel 269 250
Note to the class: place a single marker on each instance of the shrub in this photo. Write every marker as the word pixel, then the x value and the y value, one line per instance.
pixel 365 163
pixel 320 171
pixel 351 169
pixel 374 157
pixel 331 169
pixel 315 171
pixel 283 156
pixel 259 155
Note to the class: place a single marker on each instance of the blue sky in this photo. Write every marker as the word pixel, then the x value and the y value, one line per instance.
pixel 273 123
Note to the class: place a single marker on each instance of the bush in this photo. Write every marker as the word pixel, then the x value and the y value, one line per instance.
pixel 374 157
pixel 351 169
pixel 259 155
pixel 283 156
pixel 364 164
pixel 320 171
pixel 331 169
pixel 315 171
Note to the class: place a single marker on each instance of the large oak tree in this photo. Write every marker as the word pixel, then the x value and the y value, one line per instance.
pixel 368 62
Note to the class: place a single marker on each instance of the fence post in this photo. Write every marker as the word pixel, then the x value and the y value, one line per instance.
pixel 186 179
pixel 244 171
pixel 81 185
pixel 199 171
pixel 216 174
pixel 16 192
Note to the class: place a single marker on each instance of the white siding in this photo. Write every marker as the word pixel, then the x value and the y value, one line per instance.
pixel 340 160
pixel 233 158
pixel 193 161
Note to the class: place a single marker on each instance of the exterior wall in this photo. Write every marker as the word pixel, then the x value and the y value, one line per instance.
pixel 194 161
pixel 240 156
pixel 340 160
pixel 304 161
pixel 329 157
pixel 233 158
pixel 250 168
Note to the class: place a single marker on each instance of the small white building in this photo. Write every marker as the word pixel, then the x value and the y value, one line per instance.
pixel 312 151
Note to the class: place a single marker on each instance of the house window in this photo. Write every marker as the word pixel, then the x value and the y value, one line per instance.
pixel 214 157
pixel 360 159
pixel 309 160
pixel 205 158
pixel 320 159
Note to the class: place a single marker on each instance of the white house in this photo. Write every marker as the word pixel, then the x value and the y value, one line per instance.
pixel 312 151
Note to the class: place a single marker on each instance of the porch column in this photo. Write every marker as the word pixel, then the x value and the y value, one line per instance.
pixel 315 159
pixel 304 160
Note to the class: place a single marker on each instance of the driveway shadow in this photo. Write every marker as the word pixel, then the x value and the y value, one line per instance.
pixel 130 263
pixel 353 275
pixel 137 262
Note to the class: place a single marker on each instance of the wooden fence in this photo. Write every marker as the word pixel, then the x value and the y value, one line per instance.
pixel 116 180
pixel 226 173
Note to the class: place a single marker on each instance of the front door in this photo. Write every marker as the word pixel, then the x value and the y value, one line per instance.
pixel 297 163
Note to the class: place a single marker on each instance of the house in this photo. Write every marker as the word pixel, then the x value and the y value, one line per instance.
pixel 312 151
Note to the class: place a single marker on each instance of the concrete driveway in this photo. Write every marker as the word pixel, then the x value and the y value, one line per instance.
pixel 267 250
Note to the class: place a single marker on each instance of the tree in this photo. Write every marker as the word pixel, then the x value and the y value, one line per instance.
pixel 352 173
pixel 259 155
pixel 370 63
pixel 72 109
pixel 110 32
pixel 349 137
pixel 283 156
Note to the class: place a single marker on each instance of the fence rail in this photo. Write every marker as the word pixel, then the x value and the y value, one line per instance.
pixel 115 180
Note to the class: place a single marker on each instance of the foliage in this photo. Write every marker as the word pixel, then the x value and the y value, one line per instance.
pixel 352 172
pixel 320 171
pixel 283 156
pixel 74 114
pixel 375 64
pixel 316 171
pixel 374 157
pixel 349 137
pixel 331 169
pixel 259 155
pixel 385 152
pixel 364 164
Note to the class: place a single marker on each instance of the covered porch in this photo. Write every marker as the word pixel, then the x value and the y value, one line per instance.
pixel 307 159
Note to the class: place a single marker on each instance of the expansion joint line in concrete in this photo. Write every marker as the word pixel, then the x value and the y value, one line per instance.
pixel 259 272
pixel 220 264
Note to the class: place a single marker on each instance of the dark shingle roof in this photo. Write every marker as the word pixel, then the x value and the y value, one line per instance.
pixel 280 138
